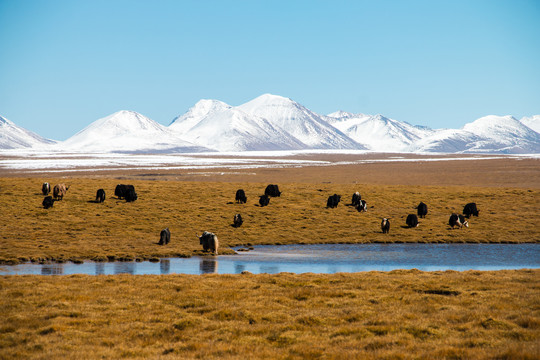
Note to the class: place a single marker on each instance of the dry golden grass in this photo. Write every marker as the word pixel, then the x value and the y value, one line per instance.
pixel 76 228
pixel 393 315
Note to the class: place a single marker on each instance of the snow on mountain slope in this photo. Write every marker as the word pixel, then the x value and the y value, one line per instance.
pixel 378 133
pixel 127 131
pixel 305 125
pixel 16 137
pixel 489 134
pixel 532 122
pixel 222 127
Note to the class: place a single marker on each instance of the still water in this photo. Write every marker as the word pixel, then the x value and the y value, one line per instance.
pixel 323 258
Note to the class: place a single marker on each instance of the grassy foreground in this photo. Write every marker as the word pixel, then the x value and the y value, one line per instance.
pixel 76 228
pixel 394 315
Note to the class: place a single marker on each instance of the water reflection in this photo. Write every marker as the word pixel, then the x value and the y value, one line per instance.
pixel 330 258
pixel 124 268
pixel 52 269
pixel 269 269
pixel 165 266
pixel 238 268
pixel 208 266
pixel 100 268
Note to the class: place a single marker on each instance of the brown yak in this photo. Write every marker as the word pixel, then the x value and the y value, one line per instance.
pixel 59 191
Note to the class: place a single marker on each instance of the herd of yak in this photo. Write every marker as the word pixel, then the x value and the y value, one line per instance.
pixel 210 242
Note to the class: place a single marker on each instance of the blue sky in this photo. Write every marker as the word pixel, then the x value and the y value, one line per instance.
pixel 65 64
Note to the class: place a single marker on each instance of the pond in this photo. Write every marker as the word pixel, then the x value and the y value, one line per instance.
pixel 322 258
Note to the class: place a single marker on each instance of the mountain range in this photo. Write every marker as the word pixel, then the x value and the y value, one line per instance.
pixel 271 122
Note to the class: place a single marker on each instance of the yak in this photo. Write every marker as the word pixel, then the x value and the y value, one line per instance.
pixel 237 221
pixel 46 188
pixel 362 206
pixel 209 241
pixel 457 220
pixel 356 197
pixel 130 194
pixel 100 196
pixel 59 191
pixel 240 196
pixel 164 236
pixel 385 226
pixel 125 191
pixel 470 210
pixel 412 220
pixel 264 200
pixel 48 202
pixel 333 201
pixel 421 210
pixel 272 190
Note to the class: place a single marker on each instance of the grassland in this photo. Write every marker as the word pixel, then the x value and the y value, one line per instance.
pixel 374 315
pixel 393 315
pixel 76 228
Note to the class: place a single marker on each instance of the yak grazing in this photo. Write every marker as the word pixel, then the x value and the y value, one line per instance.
pixel 412 220
pixel 125 191
pixel 164 236
pixel 421 210
pixel 48 202
pixel 470 210
pixel 264 200
pixel 356 197
pixel 240 196
pixel 100 196
pixel 333 201
pixel 59 191
pixel 457 220
pixel 272 190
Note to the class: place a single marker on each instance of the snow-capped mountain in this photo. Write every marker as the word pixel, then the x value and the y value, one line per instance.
pixel 271 122
pixel 127 131
pixel 219 126
pixel 532 122
pixel 489 134
pixel 16 137
pixel 378 133
pixel 305 125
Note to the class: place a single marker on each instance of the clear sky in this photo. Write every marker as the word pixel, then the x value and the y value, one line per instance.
pixel 65 63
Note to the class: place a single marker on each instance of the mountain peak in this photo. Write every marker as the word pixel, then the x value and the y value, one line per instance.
pixel 493 124
pixel 302 123
pixel 16 137
pixel 533 122
pixel 273 98
pixel 340 114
